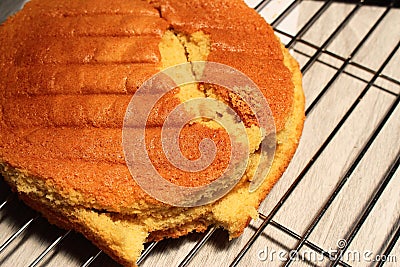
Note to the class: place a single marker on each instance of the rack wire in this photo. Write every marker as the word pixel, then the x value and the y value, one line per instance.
pixel 8 199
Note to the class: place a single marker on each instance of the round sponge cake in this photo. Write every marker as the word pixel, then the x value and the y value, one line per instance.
pixel 68 70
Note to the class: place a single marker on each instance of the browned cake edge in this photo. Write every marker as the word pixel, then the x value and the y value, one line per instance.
pixel 66 218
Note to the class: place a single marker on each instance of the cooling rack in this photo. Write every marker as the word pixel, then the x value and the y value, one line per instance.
pixel 338 204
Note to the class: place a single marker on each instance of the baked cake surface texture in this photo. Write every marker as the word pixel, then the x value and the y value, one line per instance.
pixel 68 70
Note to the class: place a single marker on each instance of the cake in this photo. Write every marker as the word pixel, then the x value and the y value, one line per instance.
pixel 68 71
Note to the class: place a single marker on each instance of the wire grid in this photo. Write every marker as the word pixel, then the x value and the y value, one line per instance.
pixel 268 219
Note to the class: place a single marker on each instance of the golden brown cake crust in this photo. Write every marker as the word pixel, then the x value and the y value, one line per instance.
pixel 65 219
pixel 63 100
pixel 75 123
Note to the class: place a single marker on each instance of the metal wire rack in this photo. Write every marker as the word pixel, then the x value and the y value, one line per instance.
pixel 27 224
